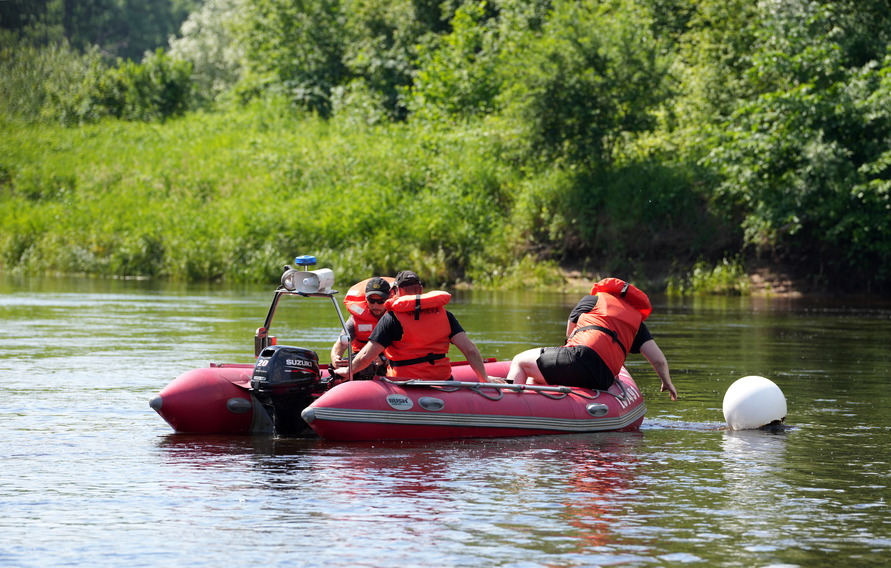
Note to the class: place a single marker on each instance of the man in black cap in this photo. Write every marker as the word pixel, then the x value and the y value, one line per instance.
pixel 365 312
pixel 416 333
pixel 409 282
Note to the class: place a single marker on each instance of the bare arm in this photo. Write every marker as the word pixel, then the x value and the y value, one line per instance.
pixel 363 358
pixel 336 351
pixel 472 353
pixel 340 346
pixel 657 359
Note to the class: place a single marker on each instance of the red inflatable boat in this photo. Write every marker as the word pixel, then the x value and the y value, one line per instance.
pixel 381 409
pixel 285 393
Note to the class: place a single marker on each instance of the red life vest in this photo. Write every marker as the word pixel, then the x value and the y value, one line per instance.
pixel 422 353
pixel 610 328
pixel 363 320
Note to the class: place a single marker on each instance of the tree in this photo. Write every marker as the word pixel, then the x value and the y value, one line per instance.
pixel 211 39
pixel 380 42
pixel 296 46
pixel 804 161
pixel 120 28
pixel 593 74
pixel 457 72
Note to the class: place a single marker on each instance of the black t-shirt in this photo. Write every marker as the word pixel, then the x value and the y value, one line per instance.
pixel 587 304
pixel 351 328
pixel 388 329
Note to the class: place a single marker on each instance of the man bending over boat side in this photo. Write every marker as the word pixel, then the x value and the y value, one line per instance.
pixel 415 335
pixel 366 303
pixel 602 329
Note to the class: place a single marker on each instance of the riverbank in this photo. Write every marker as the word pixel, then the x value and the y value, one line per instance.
pixel 199 199
pixel 759 280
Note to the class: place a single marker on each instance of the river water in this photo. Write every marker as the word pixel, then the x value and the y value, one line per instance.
pixel 92 476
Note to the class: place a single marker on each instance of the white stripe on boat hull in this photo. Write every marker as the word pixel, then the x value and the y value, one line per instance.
pixel 475 420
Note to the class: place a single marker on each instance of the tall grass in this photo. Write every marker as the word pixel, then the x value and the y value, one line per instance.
pixel 234 196
pixel 31 78
pixel 727 277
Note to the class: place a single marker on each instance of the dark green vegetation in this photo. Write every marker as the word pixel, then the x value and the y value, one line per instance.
pixel 671 142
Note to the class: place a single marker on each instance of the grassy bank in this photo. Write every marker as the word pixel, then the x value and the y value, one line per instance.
pixel 478 142
pixel 232 196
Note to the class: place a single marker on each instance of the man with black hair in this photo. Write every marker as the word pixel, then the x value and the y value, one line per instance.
pixel 416 333
pixel 602 330
pixel 366 309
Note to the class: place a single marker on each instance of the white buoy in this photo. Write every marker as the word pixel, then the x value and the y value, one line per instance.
pixel 752 402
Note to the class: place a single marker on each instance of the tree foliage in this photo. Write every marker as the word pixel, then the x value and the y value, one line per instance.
pixel 804 161
pixel 210 40
pixel 119 28
pixel 296 47
pixel 380 38
pixel 458 72
pixel 594 73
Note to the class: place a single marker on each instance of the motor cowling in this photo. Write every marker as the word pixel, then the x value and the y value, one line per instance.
pixel 284 381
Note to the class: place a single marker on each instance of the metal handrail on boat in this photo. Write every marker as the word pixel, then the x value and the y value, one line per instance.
pixel 553 391
pixel 315 284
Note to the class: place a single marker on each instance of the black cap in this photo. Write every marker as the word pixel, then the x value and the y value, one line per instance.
pixel 377 286
pixel 407 278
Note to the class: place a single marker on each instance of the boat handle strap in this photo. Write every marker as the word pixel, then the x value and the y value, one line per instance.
pixel 479 391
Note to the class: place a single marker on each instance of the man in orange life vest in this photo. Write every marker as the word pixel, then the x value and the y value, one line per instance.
pixel 415 335
pixel 602 329
pixel 366 304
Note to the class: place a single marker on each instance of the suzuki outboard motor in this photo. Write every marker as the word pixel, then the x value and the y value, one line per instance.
pixel 283 381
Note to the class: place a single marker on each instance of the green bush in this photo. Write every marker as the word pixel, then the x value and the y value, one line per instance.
pixel 56 84
pixel 35 80
pixel 158 88
pixel 728 277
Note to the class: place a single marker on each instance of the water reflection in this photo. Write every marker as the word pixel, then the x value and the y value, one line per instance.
pixel 597 477
pixel 756 495
pixel 751 459
pixel 570 491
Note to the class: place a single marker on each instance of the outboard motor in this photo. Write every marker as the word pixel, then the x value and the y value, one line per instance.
pixel 283 381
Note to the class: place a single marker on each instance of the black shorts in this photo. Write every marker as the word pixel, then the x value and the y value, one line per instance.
pixel 574 366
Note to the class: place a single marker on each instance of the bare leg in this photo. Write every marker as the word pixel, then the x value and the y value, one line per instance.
pixel 524 368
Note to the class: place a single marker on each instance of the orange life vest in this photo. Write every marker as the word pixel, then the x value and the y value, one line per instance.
pixel 610 328
pixel 363 320
pixel 422 353
pixel 628 292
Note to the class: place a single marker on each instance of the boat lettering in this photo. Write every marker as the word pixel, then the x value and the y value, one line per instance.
pixel 399 401
pixel 631 395
pixel 298 363
pixel 262 362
